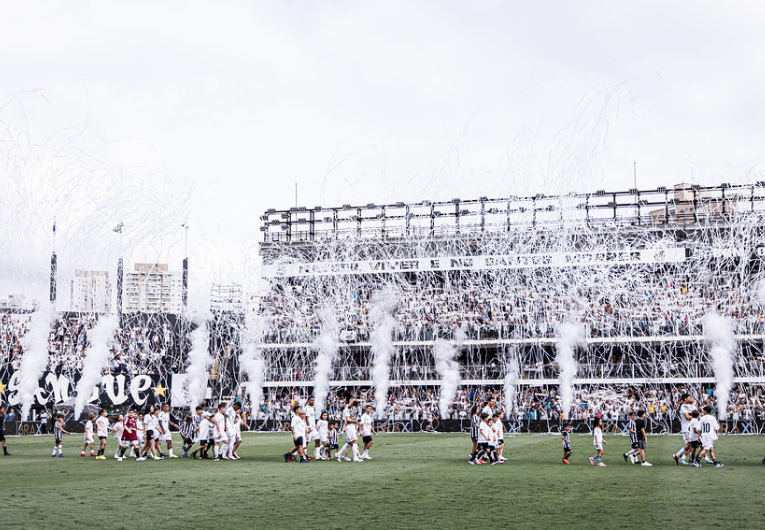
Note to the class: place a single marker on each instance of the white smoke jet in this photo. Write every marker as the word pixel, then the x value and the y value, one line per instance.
pixel 96 357
pixel 511 380
pixel 35 359
pixel 719 339
pixel 252 362
pixel 570 335
pixel 383 324
pixel 326 346
pixel 200 361
pixel 448 370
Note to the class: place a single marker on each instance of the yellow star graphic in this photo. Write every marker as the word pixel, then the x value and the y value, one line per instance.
pixel 2 387
pixel 159 390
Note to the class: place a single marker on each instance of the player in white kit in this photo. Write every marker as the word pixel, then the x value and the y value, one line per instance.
pixel 322 425
pixel 221 438
pixel 164 430
pixel 311 432
pixel 367 430
pixel 686 409
pixel 350 416
pixel 709 426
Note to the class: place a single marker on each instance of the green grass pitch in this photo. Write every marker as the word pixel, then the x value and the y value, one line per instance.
pixel 415 481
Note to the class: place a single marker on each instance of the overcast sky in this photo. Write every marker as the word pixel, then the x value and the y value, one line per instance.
pixel 230 104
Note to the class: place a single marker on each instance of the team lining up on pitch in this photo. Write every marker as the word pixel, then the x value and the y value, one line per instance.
pixel 144 434
pixel 699 429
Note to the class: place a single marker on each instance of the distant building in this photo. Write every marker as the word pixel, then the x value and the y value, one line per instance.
pixel 151 288
pixel 91 292
pixel 226 298
pixel 17 303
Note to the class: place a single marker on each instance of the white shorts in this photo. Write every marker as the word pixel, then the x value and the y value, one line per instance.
pixel 157 436
pixel 89 440
pixel 222 438
pixel 118 440
pixel 350 435
pixel 598 447
pixel 235 437
pixel 323 438
pixel 687 437
pixel 707 443
pixel 313 435
pixel 167 437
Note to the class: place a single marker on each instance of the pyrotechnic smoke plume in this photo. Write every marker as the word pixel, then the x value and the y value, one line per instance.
pixel 383 324
pixel 326 345
pixel 570 335
pixel 35 359
pixel 448 370
pixel 719 339
pixel 96 357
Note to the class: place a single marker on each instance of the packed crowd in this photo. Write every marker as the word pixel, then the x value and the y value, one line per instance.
pixel 139 348
pixel 645 305
pixel 542 403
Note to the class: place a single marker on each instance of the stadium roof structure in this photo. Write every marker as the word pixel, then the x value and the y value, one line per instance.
pixel 685 206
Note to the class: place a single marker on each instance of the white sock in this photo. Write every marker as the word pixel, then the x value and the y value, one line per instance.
pixel 355 450
pixel 230 451
pixel 170 451
pixel 366 452
pixel 215 451
pixel 630 452
pixel 316 452
pixel 343 450
pixel 680 453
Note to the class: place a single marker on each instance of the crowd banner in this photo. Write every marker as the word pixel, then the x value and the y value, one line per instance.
pixel 114 390
pixel 291 269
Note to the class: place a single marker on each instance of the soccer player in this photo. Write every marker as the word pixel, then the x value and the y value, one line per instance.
pixel 642 438
pixel 687 406
pixel 2 430
pixel 694 428
pixel 164 423
pixel 235 432
pixel 196 420
pixel 150 434
pixel 58 435
pixel 311 432
pixel 499 433
pixel 351 435
pixel 297 429
pixel 630 456
pixel 221 438
pixel 186 431
pixel 367 430
pixel 488 409
pixel 141 433
pixel 598 442
pixel 709 428
pixel 102 431
pixel 118 428
pixel 566 436
pixel 205 428
pixel 332 439
pixel 322 425
pixel 130 435
pixel 485 436
pixel 475 425
pixel 89 436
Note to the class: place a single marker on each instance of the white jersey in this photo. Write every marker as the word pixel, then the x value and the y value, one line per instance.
pixel 89 432
pixel 236 425
pixel 310 416
pixel 488 411
pixel 298 427
pixel 708 427
pixel 150 422
pixel 230 418
pixel 323 427
pixel 684 422
pixel 220 424
pixel 485 433
pixel 102 426
pixel 350 412
pixel 366 424
pixel 164 420
pixel 139 428
pixel 597 436
pixel 205 428
pixel 499 430
pixel 693 426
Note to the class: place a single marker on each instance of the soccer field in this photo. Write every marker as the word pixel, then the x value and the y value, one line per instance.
pixel 415 481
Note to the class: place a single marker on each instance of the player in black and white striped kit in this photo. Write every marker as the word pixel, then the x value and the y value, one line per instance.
pixel 475 424
pixel 629 456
